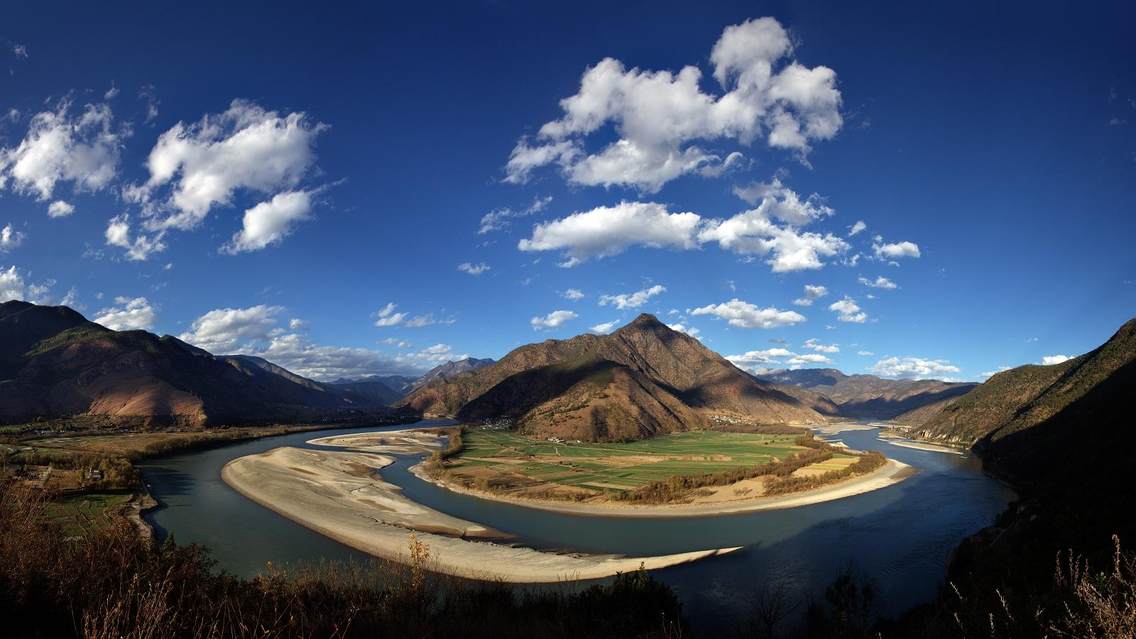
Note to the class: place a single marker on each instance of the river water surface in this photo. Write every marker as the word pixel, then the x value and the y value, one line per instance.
pixel 900 536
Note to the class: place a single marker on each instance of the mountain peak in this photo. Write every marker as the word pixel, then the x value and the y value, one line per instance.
pixel 646 321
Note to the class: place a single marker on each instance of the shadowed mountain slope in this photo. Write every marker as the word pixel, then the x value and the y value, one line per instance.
pixel 642 379
pixel 56 364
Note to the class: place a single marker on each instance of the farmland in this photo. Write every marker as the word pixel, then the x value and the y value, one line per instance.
pixel 500 461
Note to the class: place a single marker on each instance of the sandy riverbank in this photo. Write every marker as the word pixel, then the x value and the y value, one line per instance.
pixel 340 495
pixel 917 445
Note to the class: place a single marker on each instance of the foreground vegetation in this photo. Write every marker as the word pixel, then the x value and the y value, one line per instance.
pixel 110 584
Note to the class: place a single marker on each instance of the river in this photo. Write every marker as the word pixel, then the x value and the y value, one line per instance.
pixel 899 537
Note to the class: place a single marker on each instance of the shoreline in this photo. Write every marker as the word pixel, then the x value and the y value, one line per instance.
pixel 891 473
pixel 325 492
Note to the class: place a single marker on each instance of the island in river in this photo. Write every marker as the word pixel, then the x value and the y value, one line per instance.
pixel 340 493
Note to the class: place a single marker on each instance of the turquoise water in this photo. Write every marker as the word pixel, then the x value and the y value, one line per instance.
pixel 900 537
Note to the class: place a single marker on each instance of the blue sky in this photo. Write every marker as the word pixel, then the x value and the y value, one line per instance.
pixel 271 178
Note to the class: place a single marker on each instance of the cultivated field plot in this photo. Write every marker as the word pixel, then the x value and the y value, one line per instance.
pixel 624 466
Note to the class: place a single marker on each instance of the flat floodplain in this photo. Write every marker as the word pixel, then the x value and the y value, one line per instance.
pixel 607 467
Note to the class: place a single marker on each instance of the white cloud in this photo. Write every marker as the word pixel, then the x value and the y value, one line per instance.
pixel 757 361
pixel 387 316
pixel 755 232
pixel 222 331
pixel 297 324
pixel 879 282
pixel 573 294
pixel 140 248
pixel 988 374
pixel 605 327
pixel 59 208
pixel 782 203
pixel 1049 360
pixel 857 228
pixel 418 321
pixel 626 301
pixel 813 292
pixel 552 320
pixel 473 269
pixel 807 359
pixel 436 354
pixel 815 345
pixel 609 230
pixel 660 116
pixel 14 286
pixel 682 328
pixel 913 367
pixel 19 50
pixel 746 315
pixel 128 314
pixel 270 222
pixel 10 238
pixel 865 353
pixel 498 219
pixel 195 167
pixel 848 310
pixel 894 251
pixel 83 150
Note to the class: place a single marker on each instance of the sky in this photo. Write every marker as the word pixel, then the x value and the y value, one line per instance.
pixel 910 191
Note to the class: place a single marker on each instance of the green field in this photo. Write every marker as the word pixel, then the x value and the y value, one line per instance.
pixel 78 514
pixel 617 466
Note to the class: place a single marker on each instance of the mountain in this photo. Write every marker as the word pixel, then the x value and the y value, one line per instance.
pixel 374 390
pixel 55 363
pixel 868 396
pixel 1040 424
pixel 451 369
pixel 643 379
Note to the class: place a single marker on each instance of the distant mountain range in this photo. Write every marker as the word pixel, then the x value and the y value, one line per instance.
pixel 54 363
pixel 641 380
pixel 868 396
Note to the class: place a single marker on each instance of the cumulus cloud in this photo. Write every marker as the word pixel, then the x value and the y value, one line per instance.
pixel 857 228
pixel 573 294
pixel 10 238
pixel 81 149
pixel 552 320
pixel 746 315
pixel 609 230
pixel 222 331
pixel 59 208
pixel 499 219
pixel 605 327
pixel 625 301
pixel 848 310
pixel 895 250
pixel 879 282
pixel 759 361
pixel 813 292
pixel 913 368
pixel 473 269
pixel 434 355
pixel 270 222
pixel 16 285
pixel 660 117
pixel 118 233
pixel 682 328
pixel 198 166
pixel 387 316
pixel 815 345
pixel 128 314
pixel 772 228
pixel 1049 360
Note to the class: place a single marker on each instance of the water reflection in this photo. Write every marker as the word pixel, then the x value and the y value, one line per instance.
pixel 899 536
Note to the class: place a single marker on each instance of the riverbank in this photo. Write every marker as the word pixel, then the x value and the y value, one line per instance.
pixel 342 495
pixel 739 497
pixel 892 472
